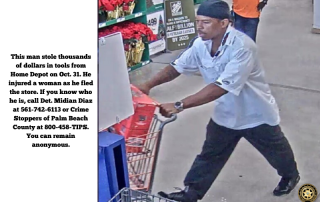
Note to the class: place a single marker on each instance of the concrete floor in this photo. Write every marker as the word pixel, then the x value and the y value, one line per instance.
pixel 291 57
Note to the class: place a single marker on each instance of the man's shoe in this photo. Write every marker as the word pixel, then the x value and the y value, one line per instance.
pixel 185 195
pixel 286 185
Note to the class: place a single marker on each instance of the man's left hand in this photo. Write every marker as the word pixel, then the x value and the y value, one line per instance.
pixel 168 109
pixel 261 5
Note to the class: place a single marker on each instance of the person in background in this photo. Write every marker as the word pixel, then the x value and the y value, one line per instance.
pixel 246 14
pixel 244 106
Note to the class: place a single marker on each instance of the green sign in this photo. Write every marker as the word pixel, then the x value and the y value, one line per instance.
pixel 180 23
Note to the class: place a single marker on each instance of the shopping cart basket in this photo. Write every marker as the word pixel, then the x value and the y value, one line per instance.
pixel 129 195
pixel 142 155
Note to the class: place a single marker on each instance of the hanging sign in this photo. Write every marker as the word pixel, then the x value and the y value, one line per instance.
pixel 154 5
pixel 180 23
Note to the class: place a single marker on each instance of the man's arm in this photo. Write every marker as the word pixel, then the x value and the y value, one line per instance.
pixel 186 63
pixel 208 94
pixel 262 4
pixel 169 73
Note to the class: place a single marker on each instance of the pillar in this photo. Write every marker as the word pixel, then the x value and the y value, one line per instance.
pixel 316 17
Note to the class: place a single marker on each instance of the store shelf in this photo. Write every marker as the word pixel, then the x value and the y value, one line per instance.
pixel 128 17
pixel 130 69
pixel 155 8
pixel 139 15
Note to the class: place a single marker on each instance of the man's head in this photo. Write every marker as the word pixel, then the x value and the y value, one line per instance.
pixel 213 17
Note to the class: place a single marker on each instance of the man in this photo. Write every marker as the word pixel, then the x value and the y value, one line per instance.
pixel 228 61
pixel 247 16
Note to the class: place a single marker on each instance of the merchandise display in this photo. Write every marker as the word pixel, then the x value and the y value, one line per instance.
pixel 129 18
pixel 126 15
pixel 135 38
pixel 114 9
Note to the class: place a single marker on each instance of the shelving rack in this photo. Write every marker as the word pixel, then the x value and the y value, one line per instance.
pixel 139 14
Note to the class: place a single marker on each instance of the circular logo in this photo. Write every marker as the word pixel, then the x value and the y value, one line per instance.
pixel 308 193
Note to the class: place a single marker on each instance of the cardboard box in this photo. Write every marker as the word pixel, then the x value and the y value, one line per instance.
pixel 135 128
pixel 142 101
pixel 141 120
pixel 144 109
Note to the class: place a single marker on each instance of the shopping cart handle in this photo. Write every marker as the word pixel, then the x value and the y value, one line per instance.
pixel 172 118
pixel 169 120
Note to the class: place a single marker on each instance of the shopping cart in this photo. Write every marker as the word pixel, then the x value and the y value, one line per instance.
pixel 142 155
pixel 129 195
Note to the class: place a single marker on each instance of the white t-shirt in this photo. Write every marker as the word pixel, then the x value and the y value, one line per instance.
pixel 237 69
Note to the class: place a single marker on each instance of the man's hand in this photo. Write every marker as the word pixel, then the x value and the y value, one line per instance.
pixel 144 88
pixel 262 4
pixel 168 109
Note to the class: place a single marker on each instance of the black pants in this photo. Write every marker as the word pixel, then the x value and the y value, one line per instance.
pixel 248 26
pixel 220 143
